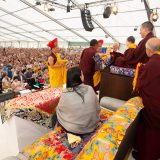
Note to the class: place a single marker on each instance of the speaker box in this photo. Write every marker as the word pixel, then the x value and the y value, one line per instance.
pixel 86 20
pixel 107 12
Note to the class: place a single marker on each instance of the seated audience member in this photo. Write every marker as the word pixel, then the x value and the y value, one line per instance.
pixel 138 54
pixel 21 77
pixel 17 85
pixel 45 76
pixel 78 109
pixel 10 74
pixel 29 78
pixel 6 82
pixel 119 60
pixel 148 86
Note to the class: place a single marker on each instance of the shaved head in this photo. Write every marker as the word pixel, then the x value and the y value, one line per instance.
pixel 153 46
pixel 146 28
pixel 148 25
pixel 116 46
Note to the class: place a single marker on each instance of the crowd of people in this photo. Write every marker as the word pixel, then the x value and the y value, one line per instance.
pixel 27 68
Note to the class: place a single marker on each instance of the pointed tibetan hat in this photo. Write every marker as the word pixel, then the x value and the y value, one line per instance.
pixel 100 41
pixel 53 43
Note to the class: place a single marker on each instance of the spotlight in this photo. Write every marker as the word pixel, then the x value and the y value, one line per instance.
pixel 38 3
pixel 115 9
pixel 135 28
pixel 68 8
pixel 51 9
pixel 154 16
pixel 107 12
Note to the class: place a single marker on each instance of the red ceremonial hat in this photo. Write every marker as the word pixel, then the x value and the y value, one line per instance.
pixel 100 41
pixel 52 44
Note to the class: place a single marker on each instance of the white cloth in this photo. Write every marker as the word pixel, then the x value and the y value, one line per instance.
pixel 76 116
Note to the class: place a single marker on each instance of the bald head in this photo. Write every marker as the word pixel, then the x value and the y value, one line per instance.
pixel 152 46
pixel 115 46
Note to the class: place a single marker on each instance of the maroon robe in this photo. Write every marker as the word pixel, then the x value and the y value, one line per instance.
pixel 134 56
pixel 122 60
pixel 87 65
pixel 148 135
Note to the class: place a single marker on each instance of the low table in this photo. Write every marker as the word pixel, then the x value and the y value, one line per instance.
pixel 37 107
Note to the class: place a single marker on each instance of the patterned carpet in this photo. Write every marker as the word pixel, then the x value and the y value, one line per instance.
pixel 55 144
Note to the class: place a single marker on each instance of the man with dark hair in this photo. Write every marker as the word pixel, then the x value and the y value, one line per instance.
pixel 131 39
pixel 87 63
pixel 137 54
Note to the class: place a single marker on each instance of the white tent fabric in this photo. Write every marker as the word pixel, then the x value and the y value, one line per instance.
pixel 20 22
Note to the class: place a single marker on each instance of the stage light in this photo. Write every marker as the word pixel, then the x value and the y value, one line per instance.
pixel 87 20
pixel 114 9
pixel 135 28
pixel 38 2
pixel 68 6
pixel 107 12
pixel 154 16
pixel 51 9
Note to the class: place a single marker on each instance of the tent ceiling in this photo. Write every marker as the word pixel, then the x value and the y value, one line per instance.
pixel 20 22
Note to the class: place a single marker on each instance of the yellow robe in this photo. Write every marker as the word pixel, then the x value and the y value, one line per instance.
pixel 97 75
pixel 58 75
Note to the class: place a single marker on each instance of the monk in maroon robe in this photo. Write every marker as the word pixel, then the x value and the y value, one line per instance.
pixel 148 85
pixel 120 59
pixel 138 54
pixel 87 63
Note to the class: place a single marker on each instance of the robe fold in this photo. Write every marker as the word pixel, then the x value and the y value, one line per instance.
pixel 148 85
pixel 87 65
pixel 132 56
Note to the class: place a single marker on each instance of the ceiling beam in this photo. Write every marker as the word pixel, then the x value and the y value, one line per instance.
pixel 28 22
pixel 18 33
pixel 95 21
pixel 53 19
pixel 8 34
pixel 25 31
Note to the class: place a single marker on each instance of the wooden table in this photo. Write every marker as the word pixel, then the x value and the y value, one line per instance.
pixel 115 86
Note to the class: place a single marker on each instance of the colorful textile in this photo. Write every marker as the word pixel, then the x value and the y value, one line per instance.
pixel 122 71
pixel 96 78
pixel 99 61
pixel 36 107
pixel 105 143
pixel 44 101
pixel 28 114
pixel 54 145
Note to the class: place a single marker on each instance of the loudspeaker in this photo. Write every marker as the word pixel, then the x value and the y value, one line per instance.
pixel 86 20
pixel 107 12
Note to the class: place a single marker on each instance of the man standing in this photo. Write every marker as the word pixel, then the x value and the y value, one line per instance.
pixel 87 63
pixel 148 86
pixel 138 54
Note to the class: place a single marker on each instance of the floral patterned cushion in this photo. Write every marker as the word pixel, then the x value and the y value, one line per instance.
pixel 122 71
pixel 104 145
